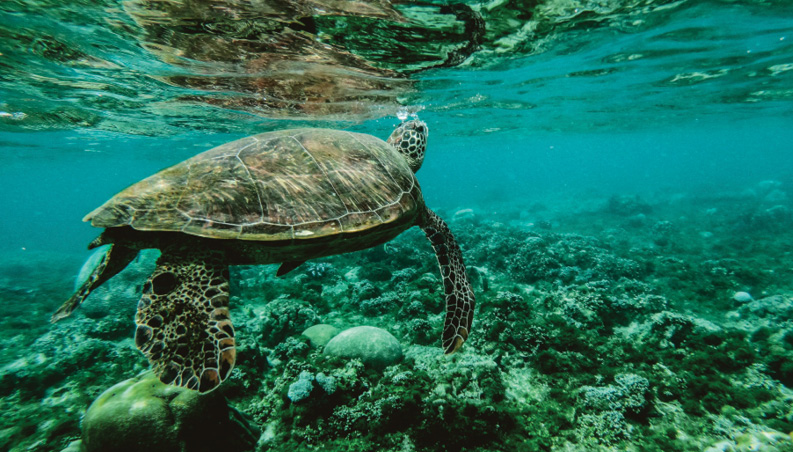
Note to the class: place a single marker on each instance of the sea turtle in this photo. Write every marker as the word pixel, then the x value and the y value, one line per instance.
pixel 278 197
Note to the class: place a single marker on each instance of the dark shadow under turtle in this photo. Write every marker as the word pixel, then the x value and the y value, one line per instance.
pixel 279 197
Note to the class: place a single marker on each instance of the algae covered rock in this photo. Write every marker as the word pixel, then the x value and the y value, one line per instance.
pixel 375 347
pixel 320 335
pixel 144 414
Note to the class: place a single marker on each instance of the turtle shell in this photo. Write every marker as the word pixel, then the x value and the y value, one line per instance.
pixel 290 184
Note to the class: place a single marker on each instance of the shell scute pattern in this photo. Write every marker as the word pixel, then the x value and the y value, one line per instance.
pixel 293 187
pixel 396 166
pixel 126 207
pixel 273 186
pixel 220 191
pixel 357 178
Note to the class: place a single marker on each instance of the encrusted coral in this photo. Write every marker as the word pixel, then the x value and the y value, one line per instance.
pixel 285 317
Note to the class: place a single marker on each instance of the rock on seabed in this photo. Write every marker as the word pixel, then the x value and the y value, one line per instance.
pixel 375 347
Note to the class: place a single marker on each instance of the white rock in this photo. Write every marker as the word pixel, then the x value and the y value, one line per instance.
pixel 375 347
pixel 463 214
pixel 742 297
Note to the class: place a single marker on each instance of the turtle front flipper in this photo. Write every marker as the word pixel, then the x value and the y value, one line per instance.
pixel 287 267
pixel 183 323
pixel 459 296
pixel 115 259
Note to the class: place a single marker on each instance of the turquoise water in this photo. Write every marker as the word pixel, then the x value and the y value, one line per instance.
pixel 656 132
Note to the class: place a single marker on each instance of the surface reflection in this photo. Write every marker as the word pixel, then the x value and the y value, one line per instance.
pixel 292 59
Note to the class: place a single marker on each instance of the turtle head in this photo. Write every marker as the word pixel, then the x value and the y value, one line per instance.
pixel 410 139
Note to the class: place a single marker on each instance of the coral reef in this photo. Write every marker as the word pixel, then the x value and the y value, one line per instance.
pixel 627 327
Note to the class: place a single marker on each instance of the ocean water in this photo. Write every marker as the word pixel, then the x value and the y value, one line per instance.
pixel 618 174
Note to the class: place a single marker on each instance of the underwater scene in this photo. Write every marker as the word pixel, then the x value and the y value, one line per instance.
pixel 391 225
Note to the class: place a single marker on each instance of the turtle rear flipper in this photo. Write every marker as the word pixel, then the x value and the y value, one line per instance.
pixel 459 296
pixel 183 323
pixel 115 259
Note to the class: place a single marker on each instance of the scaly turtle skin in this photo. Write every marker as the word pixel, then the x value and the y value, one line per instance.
pixel 279 197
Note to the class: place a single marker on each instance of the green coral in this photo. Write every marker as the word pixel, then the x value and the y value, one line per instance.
pixel 144 414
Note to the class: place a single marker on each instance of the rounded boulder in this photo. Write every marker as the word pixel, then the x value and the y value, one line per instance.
pixel 319 335
pixel 142 413
pixel 375 347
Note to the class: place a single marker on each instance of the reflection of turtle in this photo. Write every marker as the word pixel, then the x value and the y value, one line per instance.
pixel 286 58
pixel 280 197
